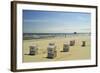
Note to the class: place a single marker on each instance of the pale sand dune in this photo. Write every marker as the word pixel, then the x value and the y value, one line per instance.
pixel 76 52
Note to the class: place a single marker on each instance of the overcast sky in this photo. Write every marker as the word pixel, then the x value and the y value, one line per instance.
pixel 55 22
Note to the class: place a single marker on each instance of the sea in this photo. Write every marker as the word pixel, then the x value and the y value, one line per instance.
pixel 29 36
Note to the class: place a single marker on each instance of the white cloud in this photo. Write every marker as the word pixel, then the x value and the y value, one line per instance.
pixel 64 29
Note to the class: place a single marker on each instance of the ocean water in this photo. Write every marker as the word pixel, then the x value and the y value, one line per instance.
pixel 29 36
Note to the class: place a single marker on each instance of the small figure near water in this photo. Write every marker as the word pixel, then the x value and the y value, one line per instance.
pixel 75 32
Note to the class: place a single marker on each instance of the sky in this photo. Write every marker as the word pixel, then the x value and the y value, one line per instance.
pixel 56 22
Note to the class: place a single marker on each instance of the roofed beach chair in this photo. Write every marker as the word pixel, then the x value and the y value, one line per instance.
pixel 83 43
pixel 65 47
pixel 51 51
pixel 33 50
pixel 72 43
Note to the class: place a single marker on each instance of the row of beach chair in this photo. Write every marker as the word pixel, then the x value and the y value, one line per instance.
pixel 51 49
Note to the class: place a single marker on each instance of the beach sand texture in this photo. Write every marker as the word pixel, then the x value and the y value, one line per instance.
pixel 76 52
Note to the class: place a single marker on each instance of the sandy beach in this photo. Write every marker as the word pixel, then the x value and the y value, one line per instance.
pixel 76 52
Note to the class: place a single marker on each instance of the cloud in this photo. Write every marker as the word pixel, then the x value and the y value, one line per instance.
pixel 67 29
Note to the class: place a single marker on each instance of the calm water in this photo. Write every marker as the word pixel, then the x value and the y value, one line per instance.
pixel 27 36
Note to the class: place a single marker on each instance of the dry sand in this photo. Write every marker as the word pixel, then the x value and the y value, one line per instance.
pixel 76 52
